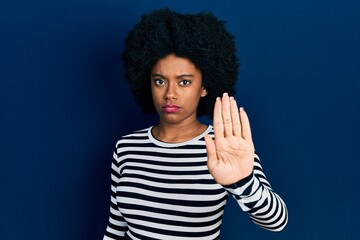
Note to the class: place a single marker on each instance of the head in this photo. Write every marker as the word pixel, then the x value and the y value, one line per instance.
pixel 200 38
pixel 176 87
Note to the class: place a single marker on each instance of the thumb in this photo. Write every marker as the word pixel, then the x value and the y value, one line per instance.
pixel 211 152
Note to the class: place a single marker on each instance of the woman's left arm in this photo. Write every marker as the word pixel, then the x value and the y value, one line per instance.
pixel 232 163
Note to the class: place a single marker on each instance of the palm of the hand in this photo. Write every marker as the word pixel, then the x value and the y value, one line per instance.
pixel 231 154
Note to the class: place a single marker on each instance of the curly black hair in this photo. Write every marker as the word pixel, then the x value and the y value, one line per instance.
pixel 201 38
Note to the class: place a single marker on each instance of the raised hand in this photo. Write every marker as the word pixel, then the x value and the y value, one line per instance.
pixel 231 154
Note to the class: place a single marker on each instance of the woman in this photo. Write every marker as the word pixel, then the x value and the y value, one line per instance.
pixel 172 180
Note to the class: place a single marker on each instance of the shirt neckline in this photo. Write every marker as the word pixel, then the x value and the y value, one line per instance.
pixel 178 144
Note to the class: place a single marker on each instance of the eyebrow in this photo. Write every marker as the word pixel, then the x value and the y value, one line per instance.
pixel 180 76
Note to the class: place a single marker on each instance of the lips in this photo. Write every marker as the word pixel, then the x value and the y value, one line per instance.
pixel 170 108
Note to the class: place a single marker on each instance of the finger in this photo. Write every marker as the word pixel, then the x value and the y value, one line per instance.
pixel 235 117
pixel 210 152
pixel 245 125
pixel 226 115
pixel 218 123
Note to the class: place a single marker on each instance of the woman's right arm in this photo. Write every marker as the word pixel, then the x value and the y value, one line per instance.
pixel 117 226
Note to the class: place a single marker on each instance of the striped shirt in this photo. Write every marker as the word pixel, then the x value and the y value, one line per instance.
pixel 165 191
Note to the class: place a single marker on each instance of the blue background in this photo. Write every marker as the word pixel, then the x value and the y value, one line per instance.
pixel 63 105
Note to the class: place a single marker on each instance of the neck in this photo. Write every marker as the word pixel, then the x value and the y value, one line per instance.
pixel 178 133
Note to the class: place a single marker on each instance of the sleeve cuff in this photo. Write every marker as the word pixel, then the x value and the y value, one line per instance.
pixel 241 183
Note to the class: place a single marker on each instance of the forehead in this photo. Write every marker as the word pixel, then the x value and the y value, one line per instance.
pixel 172 64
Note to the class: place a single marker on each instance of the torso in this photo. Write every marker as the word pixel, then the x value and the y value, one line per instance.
pixel 165 189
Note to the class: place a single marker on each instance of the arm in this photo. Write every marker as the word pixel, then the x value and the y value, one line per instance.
pixel 232 163
pixel 117 226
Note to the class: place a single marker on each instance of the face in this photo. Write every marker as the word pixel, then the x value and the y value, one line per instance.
pixel 176 87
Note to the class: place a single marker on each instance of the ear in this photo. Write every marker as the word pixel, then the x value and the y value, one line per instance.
pixel 203 92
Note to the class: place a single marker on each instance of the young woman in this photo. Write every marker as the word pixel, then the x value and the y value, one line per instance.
pixel 172 180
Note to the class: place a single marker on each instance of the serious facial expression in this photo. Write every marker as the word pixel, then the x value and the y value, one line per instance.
pixel 176 87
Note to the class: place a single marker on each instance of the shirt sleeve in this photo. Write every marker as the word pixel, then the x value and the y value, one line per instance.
pixel 256 197
pixel 117 226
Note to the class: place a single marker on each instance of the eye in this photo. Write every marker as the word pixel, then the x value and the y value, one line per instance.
pixel 184 82
pixel 159 82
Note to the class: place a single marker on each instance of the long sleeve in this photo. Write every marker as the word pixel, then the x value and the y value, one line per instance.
pixel 117 226
pixel 256 197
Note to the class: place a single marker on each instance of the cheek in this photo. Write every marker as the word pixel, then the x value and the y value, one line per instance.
pixel 153 92
pixel 156 97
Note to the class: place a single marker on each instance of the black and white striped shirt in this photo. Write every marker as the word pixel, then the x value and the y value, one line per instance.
pixel 165 191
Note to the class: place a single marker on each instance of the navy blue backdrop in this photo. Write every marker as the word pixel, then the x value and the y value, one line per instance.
pixel 63 105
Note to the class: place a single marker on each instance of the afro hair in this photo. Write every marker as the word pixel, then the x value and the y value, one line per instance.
pixel 201 38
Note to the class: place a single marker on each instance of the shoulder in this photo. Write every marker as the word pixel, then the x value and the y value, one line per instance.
pixel 210 131
pixel 133 137
pixel 130 143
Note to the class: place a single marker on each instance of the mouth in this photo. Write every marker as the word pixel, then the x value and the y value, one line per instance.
pixel 170 108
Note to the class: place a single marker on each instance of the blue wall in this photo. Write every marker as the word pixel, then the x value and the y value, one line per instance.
pixel 63 105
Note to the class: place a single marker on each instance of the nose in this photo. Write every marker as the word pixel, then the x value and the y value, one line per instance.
pixel 170 92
